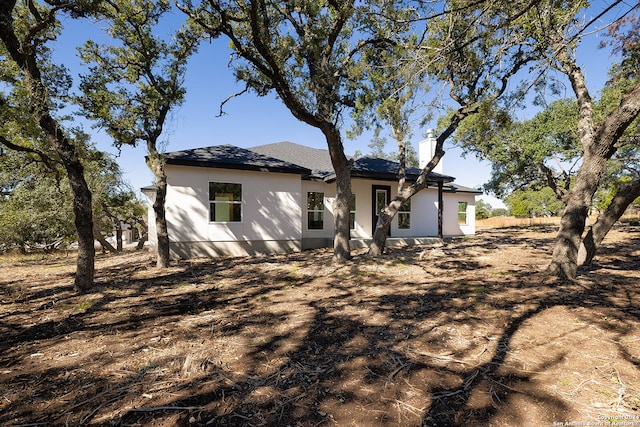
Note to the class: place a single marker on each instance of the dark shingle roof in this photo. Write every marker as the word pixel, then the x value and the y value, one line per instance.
pixel 232 157
pixel 317 160
pixel 288 157
pixel 375 167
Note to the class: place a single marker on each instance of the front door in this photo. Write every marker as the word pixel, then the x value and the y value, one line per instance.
pixel 381 196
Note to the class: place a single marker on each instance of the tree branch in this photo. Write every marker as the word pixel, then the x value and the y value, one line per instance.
pixel 44 158
pixel 230 97
pixel 551 181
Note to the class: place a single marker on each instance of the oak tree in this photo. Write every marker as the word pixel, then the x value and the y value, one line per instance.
pixel 580 135
pixel 312 55
pixel 474 49
pixel 132 85
pixel 30 107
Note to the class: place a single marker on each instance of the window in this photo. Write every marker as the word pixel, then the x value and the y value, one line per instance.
pixel 352 213
pixel 225 202
pixel 404 215
pixel 381 199
pixel 462 213
pixel 315 210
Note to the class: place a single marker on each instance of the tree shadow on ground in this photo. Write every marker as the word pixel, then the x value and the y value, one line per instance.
pixel 312 344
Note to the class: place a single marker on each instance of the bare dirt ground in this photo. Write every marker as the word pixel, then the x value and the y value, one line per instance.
pixel 464 333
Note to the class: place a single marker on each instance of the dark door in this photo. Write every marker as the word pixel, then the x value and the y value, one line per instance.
pixel 381 195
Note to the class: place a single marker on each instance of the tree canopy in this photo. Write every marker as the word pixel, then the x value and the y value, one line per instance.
pixel 314 56
pixel 568 146
pixel 37 88
pixel 133 84
pixel 36 207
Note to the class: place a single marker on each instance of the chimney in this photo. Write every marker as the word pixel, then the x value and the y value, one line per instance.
pixel 427 149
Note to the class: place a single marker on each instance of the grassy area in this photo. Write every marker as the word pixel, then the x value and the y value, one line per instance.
pixel 510 221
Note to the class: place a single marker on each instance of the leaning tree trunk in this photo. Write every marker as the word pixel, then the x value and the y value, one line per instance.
pixel 157 166
pixel 379 240
pixel 341 211
pixel 625 195
pixel 380 233
pixel 97 235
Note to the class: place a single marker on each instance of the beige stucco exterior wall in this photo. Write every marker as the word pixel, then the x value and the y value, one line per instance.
pixel 424 211
pixel 271 212
pixel 450 226
pixel 274 213
pixel 152 239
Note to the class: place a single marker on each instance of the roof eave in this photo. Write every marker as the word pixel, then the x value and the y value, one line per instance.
pixel 234 166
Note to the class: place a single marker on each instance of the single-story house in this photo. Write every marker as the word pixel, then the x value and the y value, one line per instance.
pixel 230 201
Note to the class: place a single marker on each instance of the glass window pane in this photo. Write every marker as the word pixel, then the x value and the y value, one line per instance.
pixel 236 212
pixel 315 220
pixel 222 212
pixel 381 200
pixel 404 220
pixel 225 190
pixel 462 212
pixel 226 202
pixel 315 201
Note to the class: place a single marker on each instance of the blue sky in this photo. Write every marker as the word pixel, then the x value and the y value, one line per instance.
pixel 252 120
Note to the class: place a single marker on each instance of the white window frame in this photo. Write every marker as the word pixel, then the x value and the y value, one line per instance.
pixel 213 203
pixel 463 215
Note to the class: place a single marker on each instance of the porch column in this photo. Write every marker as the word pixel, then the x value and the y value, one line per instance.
pixel 440 208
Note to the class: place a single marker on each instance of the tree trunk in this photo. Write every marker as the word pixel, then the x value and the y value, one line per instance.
pixel 599 144
pixel 385 217
pixel 156 164
pixel 143 233
pixel 85 268
pixel 161 223
pixel 25 57
pixel 117 225
pixel 341 211
pixel 143 239
pixel 341 248
pixel 119 236
pixel 564 260
pixel 82 207
pixel 596 234
pixel 380 233
pixel 97 234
